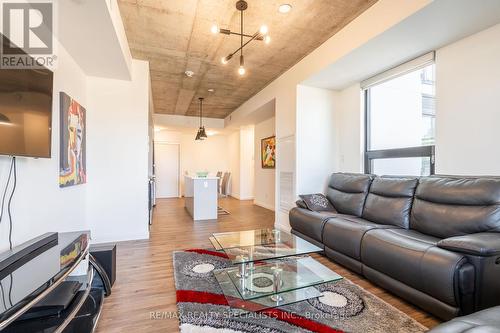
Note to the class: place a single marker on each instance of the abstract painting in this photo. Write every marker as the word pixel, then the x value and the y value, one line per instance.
pixel 268 152
pixel 72 168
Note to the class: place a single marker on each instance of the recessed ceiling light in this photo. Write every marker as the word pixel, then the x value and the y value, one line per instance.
pixel 284 8
pixel 189 73
pixel 211 90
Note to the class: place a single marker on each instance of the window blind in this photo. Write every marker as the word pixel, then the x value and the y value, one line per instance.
pixel 409 66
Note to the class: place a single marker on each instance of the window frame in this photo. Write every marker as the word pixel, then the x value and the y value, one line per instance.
pixel 371 155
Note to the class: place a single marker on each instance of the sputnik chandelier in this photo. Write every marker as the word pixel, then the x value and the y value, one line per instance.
pixel 261 35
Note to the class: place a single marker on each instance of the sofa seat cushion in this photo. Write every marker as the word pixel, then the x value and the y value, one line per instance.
pixel 414 259
pixel 344 233
pixel 309 223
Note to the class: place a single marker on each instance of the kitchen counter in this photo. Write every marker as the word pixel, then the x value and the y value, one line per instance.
pixel 201 197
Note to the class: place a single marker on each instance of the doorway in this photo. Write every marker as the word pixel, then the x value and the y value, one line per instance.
pixel 167 159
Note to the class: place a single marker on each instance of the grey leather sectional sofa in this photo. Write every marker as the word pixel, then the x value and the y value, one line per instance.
pixel 434 241
pixel 485 321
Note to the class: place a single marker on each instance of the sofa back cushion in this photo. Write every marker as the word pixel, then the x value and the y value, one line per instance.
pixel 347 192
pixel 389 201
pixel 446 207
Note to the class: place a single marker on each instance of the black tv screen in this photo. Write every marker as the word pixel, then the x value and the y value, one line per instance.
pixel 25 112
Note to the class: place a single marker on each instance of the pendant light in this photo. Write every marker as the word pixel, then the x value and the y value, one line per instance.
pixel 201 135
pixel 4 120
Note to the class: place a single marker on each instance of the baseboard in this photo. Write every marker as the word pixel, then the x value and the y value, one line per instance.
pixel 263 205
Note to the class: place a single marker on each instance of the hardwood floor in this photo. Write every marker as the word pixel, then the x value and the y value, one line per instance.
pixel 145 281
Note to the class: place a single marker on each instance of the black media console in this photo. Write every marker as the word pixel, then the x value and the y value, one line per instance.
pixel 46 285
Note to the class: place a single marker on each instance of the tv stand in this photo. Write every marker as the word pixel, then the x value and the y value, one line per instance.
pixel 28 280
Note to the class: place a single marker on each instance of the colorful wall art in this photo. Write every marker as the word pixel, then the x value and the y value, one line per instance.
pixel 72 158
pixel 268 152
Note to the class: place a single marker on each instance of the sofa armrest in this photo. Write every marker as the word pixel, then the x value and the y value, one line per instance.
pixel 301 204
pixel 484 244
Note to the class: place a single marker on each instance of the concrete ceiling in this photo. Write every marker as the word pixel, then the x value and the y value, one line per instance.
pixel 174 36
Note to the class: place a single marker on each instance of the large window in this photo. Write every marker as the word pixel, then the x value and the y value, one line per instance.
pixel 400 120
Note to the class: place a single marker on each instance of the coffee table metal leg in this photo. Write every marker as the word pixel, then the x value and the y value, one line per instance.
pixel 277 285
pixel 243 284
pixel 242 269
pixel 277 235
pixel 250 266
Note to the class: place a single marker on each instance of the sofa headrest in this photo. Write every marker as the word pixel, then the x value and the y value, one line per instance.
pixel 350 182
pixel 394 186
pixel 452 206
pixel 460 191
pixel 347 192
pixel 389 201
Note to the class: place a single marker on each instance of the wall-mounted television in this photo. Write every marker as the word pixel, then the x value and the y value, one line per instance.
pixel 25 112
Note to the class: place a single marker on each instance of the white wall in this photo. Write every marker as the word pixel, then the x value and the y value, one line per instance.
pixel 247 161
pixel 175 122
pixel 208 155
pixel 233 152
pixel 117 156
pixel 113 203
pixel 39 205
pixel 151 133
pixel 467 109
pixel 317 144
pixel 168 136
pixel 350 129
pixel 265 179
pixel 467 85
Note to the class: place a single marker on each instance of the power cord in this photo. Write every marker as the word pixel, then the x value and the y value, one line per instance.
pixel 3 297
pixel 10 289
pixel 12 171
pixel 10 202
pixel 6 188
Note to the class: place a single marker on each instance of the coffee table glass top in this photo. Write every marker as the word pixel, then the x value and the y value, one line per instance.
pixel 289 274
pixel 258 290
pixel 235 301
pixel 262 244
pixel 251 237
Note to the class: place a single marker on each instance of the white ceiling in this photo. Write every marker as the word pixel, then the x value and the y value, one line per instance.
pixel 436 25
pixel 90 33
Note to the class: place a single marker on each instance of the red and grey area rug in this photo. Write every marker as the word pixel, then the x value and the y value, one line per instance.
pixel 343 306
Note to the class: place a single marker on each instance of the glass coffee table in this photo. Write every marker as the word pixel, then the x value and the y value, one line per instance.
pixel 270 269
